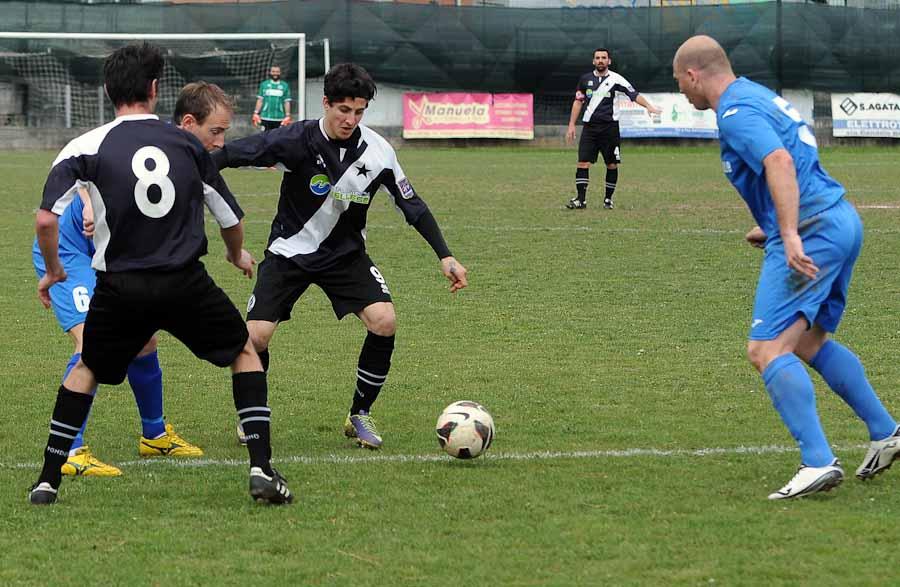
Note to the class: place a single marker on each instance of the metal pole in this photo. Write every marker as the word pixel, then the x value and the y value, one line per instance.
pixel 779 49
pixel 68 105
pixel 327 47
pixel 100 96
pixel 301 78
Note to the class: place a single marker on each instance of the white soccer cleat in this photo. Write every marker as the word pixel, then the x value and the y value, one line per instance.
pixel 880 456
pixel 809 480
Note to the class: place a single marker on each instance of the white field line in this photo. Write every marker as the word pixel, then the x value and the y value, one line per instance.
pixel 374 459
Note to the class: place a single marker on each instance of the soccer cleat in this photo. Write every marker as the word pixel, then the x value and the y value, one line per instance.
pixel 83 462
pixel 42 493
pixel 169 444
pixel 880 456
pixel 362 428
pixel 576 204
pixel 242 438
pixel 809 480
pixel 607 204
pixel 270 490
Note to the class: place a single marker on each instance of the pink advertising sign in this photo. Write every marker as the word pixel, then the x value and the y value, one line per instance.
pixel 463 115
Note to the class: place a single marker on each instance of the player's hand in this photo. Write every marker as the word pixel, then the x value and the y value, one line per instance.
pixel 570 133
pixel 455 272
pixel 245 263
pixel 46 282
pixel 286 120
pixel 255 119
pixel 756 237
pixel 796 258
pixel 654 110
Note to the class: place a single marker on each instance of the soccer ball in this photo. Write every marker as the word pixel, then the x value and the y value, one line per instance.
pixel 465 429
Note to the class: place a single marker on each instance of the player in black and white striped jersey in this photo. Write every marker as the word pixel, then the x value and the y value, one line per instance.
pixel 334 166
pixel 595 95
pixel 149 182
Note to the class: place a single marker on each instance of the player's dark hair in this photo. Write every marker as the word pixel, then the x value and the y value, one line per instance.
pixel 199 99
pixel 605 50
pixel 348 80
pixel 129 72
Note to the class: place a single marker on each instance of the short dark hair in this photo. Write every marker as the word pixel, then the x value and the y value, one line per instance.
pixel 348 80
pixel 605 50
pixel 129 72
pixel 199 99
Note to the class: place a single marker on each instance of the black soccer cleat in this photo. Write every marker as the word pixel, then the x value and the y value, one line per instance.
pixel 607 204
pixel 272 490
pixel 576 204
pixel 42 493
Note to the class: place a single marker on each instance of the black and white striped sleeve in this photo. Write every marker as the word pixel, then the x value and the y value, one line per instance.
pixel 283 147
pixel 218 198
pixel 74 166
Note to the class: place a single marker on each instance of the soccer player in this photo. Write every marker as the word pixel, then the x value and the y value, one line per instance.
pixel 812 236
pixel 335 166
pixel 273 101
pixel 148 183
pixel 595 96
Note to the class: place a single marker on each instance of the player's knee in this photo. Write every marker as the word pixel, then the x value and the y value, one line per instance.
pixel 383 324
pixel 612 166
pixel 758 354
pixel 260 334
pixel 150 347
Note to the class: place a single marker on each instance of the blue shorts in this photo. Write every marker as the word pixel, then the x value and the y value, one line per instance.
pixel 70 298
pixel 832 239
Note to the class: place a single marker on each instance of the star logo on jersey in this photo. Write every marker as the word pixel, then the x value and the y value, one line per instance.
pixel 363 171
pixel 319 184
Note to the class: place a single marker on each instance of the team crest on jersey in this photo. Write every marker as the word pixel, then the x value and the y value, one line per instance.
pixel 589 92
pixel 319 184
pixel 590 82
pixel 406 191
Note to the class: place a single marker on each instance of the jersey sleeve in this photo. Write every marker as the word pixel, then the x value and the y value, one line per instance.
pixel 625 87
pixel 71 168
pixel 749 134
pixel 285 146
pixel 580 89
pixel 394 180
pixel 260 93
pixel 216 196
pixel 287 92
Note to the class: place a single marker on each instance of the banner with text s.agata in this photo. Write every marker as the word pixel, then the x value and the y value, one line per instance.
pixel 466 115
pixel 865 115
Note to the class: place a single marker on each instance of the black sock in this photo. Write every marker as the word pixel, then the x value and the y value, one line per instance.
pixel 264 359
pixel 250 398
pixel 371 371
pixel 612 176
pixel 69 414
pixel 582 179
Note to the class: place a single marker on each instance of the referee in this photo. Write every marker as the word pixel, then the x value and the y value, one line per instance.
pixel 595 94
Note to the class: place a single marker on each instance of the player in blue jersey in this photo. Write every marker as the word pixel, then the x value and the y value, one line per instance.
pixel 149 183
pixel 812 236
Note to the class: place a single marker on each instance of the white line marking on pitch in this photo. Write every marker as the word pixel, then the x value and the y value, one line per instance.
pixel 334 459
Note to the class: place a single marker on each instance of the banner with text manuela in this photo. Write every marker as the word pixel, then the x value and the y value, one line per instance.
pixel 464 115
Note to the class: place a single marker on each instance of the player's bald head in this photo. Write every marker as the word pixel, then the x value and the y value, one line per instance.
pixel 702 53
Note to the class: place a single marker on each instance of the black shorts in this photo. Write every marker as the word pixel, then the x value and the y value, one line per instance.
pixel 599 139
pixel 129 307
pixel 280 282
pixel 270 124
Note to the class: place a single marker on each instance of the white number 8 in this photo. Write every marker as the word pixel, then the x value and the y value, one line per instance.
pixel 158 176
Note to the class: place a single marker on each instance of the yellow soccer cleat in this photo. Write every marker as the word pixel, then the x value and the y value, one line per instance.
pixel 168 445
pixel 86 464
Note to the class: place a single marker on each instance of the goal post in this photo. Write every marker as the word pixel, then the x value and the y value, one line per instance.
pixel 55 79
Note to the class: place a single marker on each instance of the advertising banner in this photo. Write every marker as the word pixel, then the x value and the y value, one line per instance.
pixel 465 115
pixel 865 115
pixel 678 119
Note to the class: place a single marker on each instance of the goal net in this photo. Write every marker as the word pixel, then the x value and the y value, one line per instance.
pixel 56 81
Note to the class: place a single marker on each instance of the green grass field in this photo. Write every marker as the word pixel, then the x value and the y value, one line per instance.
pixel 635 444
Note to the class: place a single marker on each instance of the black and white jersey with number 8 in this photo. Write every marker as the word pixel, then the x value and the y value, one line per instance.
pixel 149 182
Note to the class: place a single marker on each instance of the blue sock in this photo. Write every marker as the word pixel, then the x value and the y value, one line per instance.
pixel 792 393
pixel 145 377
pixel 845 375
pixel 79 438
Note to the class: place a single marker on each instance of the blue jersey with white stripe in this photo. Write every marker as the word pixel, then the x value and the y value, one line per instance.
pixel 72 242
pixel 753 122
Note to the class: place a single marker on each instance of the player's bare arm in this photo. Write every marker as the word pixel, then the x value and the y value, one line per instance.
pixel 455 272
pixel 781 177
pixel 87 214
pixel 756 237
pixel 646 104
pixel 576 110
pixel 47 229
pixel 234 249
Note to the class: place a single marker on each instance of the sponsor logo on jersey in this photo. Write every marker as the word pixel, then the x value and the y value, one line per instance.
pixel 277 92
pixel 590 82
pixel 353 197
pixel 406 190
pixel 251 302
pixel 726 166
pixel 589 93
pixel 319 184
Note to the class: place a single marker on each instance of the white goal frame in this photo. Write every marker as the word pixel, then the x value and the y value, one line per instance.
pixel 299 37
